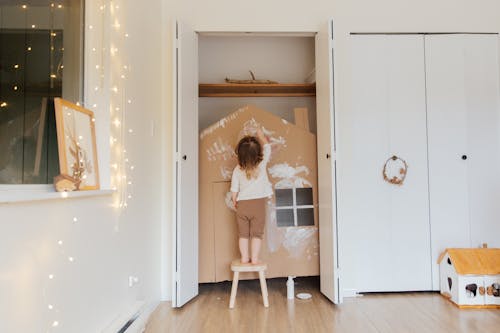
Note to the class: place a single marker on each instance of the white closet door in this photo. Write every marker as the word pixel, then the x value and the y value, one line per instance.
pixel 462 106
pixel 385 228
pixel 329 279
pixel 186 115
pixel 483 138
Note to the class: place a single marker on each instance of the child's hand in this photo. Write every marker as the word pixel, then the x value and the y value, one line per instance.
pixel 261 136
pixel 235 203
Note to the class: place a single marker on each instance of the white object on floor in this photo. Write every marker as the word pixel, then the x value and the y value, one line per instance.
pixel 304 296
pixel 290 288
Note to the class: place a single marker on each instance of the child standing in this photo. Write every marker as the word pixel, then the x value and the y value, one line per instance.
pixel 250 188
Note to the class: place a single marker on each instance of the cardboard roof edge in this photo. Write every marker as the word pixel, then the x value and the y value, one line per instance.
pixel 476 261
pixel 233 115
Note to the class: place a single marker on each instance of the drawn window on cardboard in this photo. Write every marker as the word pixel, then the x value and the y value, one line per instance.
pixel 294 207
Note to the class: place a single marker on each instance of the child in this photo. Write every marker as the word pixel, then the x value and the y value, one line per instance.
pixel 250 189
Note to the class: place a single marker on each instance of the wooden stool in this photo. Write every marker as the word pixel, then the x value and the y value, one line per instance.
pixel 237 267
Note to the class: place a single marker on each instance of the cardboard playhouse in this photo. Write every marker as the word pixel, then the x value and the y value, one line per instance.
pixel 470 278
pixel 290 245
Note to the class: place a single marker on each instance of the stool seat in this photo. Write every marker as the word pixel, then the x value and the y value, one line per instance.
pixel 237 267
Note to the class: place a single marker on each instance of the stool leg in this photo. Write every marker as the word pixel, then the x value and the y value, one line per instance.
pixel 263 288
pixel 234 288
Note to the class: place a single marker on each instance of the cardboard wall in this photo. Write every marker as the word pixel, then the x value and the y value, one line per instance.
pixel 286 250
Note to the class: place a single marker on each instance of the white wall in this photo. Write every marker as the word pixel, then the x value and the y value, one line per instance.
pixel 349 16
pixel 107 244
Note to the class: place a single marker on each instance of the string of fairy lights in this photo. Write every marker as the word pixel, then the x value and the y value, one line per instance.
pixel 110 72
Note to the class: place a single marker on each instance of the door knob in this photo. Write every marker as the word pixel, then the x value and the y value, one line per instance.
pixel 464 157
pixel 184 157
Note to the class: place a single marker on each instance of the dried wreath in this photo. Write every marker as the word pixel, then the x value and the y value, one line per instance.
pixel 402 170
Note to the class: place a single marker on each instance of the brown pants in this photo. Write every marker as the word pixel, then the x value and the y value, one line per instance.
pixel 251 216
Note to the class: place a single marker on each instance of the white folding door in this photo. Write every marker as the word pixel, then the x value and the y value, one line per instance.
pixel 464 152
pixel 385 227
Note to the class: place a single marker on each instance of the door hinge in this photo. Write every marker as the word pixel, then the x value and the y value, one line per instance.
pixel 177 276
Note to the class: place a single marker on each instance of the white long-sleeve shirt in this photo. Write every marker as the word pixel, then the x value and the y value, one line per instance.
pixel 253 188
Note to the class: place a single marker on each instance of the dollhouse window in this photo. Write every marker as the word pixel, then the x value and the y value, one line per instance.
pixel 294 207
pixel 40 54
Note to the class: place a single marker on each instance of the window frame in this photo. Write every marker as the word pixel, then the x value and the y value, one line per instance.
pixel 294 207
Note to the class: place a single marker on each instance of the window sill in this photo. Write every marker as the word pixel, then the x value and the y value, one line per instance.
pixel 18 195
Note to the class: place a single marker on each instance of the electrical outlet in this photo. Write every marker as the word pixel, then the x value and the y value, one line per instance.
pixel 132 281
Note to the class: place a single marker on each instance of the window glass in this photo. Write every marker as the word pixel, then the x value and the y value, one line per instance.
pixel 284 197
pixel 284 217
pixel 305 216
pixel 40 59
pixel 304 196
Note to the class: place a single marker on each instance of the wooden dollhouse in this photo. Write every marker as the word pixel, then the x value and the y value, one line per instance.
pixel 470 278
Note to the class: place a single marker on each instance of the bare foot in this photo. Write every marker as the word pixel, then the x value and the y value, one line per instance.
pixel 244 261
pixel 255 262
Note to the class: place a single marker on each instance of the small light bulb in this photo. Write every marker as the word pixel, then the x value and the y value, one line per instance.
pixel 51 276
pixel 33 26
pixel 16 66
pixel 132 167
pixel 71 259
pixel 130 130
pixel 91 27
pixel 3 104
pixel 50 306
pixel 15 88
pixel 60 242
pixel 59 6
pixel 130 196
pixel 29 48
pixel 55 323
pixel 75 219
pixel 24 6
pixel 64 194
pixel 53 76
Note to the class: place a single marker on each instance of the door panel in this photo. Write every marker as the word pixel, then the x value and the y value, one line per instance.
pixel 447 123
pixel 481 74
pixel 186 106
pixel 385 235
pixel 326 164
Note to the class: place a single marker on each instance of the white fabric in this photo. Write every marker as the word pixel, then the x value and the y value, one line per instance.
pixel 253 188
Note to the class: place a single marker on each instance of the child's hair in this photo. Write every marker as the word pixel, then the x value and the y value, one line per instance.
pixel 249 152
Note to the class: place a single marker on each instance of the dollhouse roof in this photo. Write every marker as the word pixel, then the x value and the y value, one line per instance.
pixel 474 261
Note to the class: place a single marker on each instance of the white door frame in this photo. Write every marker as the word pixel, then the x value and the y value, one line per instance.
pixel 337 298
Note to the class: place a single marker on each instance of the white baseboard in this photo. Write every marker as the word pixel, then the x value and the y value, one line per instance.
pixel 350 293
pixel 140 310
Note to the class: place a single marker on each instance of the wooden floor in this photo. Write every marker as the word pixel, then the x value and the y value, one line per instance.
pixel 399 312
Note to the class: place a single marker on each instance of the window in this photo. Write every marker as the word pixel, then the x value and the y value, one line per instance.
pixel 294 207
pixel 40 58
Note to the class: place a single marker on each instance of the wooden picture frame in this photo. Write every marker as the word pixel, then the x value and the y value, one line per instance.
pixel 76 142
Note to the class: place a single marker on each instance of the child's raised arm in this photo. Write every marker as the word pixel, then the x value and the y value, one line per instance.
pixel 262 137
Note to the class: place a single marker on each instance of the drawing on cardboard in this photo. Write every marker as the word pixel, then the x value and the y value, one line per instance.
pixel 291 235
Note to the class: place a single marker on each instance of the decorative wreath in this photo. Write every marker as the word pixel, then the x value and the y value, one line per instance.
pixel 395 165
